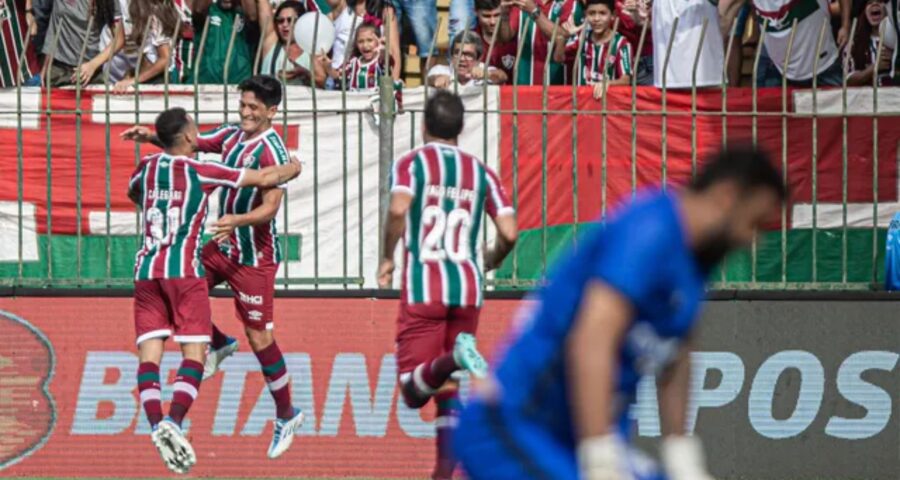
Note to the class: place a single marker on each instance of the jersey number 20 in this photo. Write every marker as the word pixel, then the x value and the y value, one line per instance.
pixel 449 234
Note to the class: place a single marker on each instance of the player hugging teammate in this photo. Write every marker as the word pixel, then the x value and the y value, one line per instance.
pixel 171 297
pixel 245 251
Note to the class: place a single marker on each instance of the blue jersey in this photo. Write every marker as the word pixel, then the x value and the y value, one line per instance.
pixel 642 254
pixel 892 255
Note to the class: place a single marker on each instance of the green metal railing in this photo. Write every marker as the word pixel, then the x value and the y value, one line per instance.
pixel 764 266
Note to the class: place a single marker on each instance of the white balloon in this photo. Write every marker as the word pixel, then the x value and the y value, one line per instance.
pixel 305 29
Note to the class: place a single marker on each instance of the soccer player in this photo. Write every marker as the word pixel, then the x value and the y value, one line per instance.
pixel 621 306
pixel 170 294
pixel 439 195
pixel 246 251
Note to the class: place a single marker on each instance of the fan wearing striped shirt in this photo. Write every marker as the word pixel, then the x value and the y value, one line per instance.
pixel 366 64
pixel 171 297
pixel 604 53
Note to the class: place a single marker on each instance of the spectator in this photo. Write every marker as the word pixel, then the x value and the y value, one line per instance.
pixel 465 68
pixel 16 18
pixel 159 21
pixel 69 24
pixel 735 60
pixel 366 62
pixel 810 16
pixel 863 58
pixel 535 19
pixel 605 54
pixel 42 11
pixel 277 39
pixel 633 15
pixel 422 17
pixel 224 16
pixel 491 17
pixel 377 12
pixel 891 34
pixel 462 17
pixel 683 54
pixel 183 47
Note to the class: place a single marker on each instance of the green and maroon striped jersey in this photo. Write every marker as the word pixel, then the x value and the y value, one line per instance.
pixel 173 194
pixel 13 30
pixel 253 245
pixel 451 192
pixel 611 59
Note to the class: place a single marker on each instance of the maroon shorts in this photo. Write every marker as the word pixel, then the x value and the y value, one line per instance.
pixel 253 287
pixel 178 306
pixel 427 331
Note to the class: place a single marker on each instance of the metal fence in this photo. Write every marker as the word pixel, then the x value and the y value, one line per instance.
pixel 839 255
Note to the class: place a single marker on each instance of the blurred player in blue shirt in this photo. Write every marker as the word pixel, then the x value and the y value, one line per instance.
pixel 621 306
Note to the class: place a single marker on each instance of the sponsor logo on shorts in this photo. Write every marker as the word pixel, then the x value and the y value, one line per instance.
pixel 255 315
pixel 251 299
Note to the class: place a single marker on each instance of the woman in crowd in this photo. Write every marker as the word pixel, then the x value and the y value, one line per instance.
pixel 379 13
pixel 862 59
pixel 149 26
pixel 276 43
pixel 66 34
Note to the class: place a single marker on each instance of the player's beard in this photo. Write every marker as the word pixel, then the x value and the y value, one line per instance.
pixel 712 250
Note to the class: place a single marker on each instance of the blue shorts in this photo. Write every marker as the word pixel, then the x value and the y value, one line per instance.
pixel 493 446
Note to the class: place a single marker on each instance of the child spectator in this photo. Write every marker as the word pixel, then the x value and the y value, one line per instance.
pixel 158 19
pixel 604 53
pixel 492 16
pixel 375 12
pixel 69 26
pixel 277 40
pixel 862 59
pixel 465 68
pixel 366 63
pixel 16 18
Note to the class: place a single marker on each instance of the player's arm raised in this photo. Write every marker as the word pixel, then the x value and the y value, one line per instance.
pixel 682 455
pixel 271 176
pixel 592 358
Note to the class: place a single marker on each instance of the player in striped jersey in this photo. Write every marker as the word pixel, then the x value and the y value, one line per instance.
pixel 604 53
pixel 439 195
pixel 170 294
pixel 245 252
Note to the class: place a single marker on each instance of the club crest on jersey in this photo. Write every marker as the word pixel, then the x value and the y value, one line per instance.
pixel 508 61
pixel 247 160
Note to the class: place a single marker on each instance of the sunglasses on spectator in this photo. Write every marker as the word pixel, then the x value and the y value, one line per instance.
pixel 466 54
pixel 285 20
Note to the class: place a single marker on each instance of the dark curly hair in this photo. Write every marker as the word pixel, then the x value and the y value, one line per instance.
pixel 104 13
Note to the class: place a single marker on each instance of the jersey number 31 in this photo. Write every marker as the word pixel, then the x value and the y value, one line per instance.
pixel 449 234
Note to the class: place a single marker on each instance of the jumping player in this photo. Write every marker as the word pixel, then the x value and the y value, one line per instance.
pixel 623 305
pixel 439 195
pixel 246 252
pixel 170 294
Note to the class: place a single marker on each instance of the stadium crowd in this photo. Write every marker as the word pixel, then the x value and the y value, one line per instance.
pixel 603 35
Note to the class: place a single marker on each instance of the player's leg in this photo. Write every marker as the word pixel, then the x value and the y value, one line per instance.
pixel 218 267
pixel 189 301
pixel 152 326
pixel 420 338
pixel 459 341
pixel 254 301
